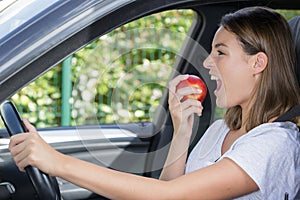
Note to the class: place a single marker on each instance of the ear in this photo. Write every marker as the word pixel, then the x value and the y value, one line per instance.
pixel 260 63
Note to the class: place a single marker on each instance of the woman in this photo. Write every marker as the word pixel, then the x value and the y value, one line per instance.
pixel 244 156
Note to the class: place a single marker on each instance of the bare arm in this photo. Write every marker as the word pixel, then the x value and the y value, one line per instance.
pixel 182 114
pixel 176 159
pixel 219 181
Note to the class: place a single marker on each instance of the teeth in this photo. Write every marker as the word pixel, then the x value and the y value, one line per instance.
pixel 214 78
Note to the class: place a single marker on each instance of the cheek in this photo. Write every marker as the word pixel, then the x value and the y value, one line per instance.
pixel 237 89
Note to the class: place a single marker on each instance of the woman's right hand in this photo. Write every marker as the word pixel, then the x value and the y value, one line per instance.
pixel 182 112
pixel 30 149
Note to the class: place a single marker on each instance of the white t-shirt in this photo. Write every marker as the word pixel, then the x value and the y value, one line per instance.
pixel 269 154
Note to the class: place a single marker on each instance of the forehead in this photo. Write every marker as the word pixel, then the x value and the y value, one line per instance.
pixel 225 38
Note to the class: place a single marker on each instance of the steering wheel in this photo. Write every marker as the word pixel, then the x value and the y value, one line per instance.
pixel 45 186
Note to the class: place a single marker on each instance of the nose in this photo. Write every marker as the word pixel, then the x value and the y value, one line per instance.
pixel 208 63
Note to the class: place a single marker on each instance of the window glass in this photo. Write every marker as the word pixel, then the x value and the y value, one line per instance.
pixel 289 14
pixel 118 78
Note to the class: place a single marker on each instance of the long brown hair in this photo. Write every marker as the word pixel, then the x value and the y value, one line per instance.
pixel 260 29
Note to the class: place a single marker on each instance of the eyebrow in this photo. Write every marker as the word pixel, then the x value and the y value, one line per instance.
pixel 219 45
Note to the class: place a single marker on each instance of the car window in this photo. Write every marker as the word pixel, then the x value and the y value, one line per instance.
pixel 118 78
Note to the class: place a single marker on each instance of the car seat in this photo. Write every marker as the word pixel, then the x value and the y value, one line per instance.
pixel 295 29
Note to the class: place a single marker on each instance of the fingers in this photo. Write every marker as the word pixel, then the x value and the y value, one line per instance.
pixel 20 156
pixel 180 112
pixel 183 116
pixel 18 148
pixel 30 149
pixel 26 149
pixel 175 95
pixel 190 107
pixel 17 139
pixel 173 83
pixel 188 91
pixel 21 145
pixel 29 126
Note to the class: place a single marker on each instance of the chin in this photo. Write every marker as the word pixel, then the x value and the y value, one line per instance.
pixel 221 103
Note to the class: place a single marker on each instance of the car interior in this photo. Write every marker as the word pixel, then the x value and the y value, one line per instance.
pixel 295 28
pixel 118 141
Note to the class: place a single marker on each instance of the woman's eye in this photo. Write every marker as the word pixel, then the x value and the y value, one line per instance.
pixel 220 53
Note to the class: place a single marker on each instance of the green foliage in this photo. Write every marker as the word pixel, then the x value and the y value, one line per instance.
pixel 289 14
pixel 39 101
pixel 118 78
pixel 129 78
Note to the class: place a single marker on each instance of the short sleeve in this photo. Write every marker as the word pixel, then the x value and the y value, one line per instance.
pixel 270 156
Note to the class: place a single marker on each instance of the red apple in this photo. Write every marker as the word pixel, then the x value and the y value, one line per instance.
pixel 196 82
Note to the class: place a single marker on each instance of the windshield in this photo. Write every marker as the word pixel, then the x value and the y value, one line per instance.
pixel 13 13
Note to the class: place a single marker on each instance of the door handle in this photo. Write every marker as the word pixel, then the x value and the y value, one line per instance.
pixel 6 190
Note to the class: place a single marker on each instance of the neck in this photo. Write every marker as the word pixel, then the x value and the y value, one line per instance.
pixel 245 114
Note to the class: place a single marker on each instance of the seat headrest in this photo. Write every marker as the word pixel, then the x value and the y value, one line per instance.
pixel 295 29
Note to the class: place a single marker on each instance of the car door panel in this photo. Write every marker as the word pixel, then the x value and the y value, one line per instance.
pixel 111 147
pixel 124 153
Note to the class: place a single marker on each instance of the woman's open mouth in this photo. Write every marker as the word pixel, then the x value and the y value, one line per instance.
pixel 218 81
